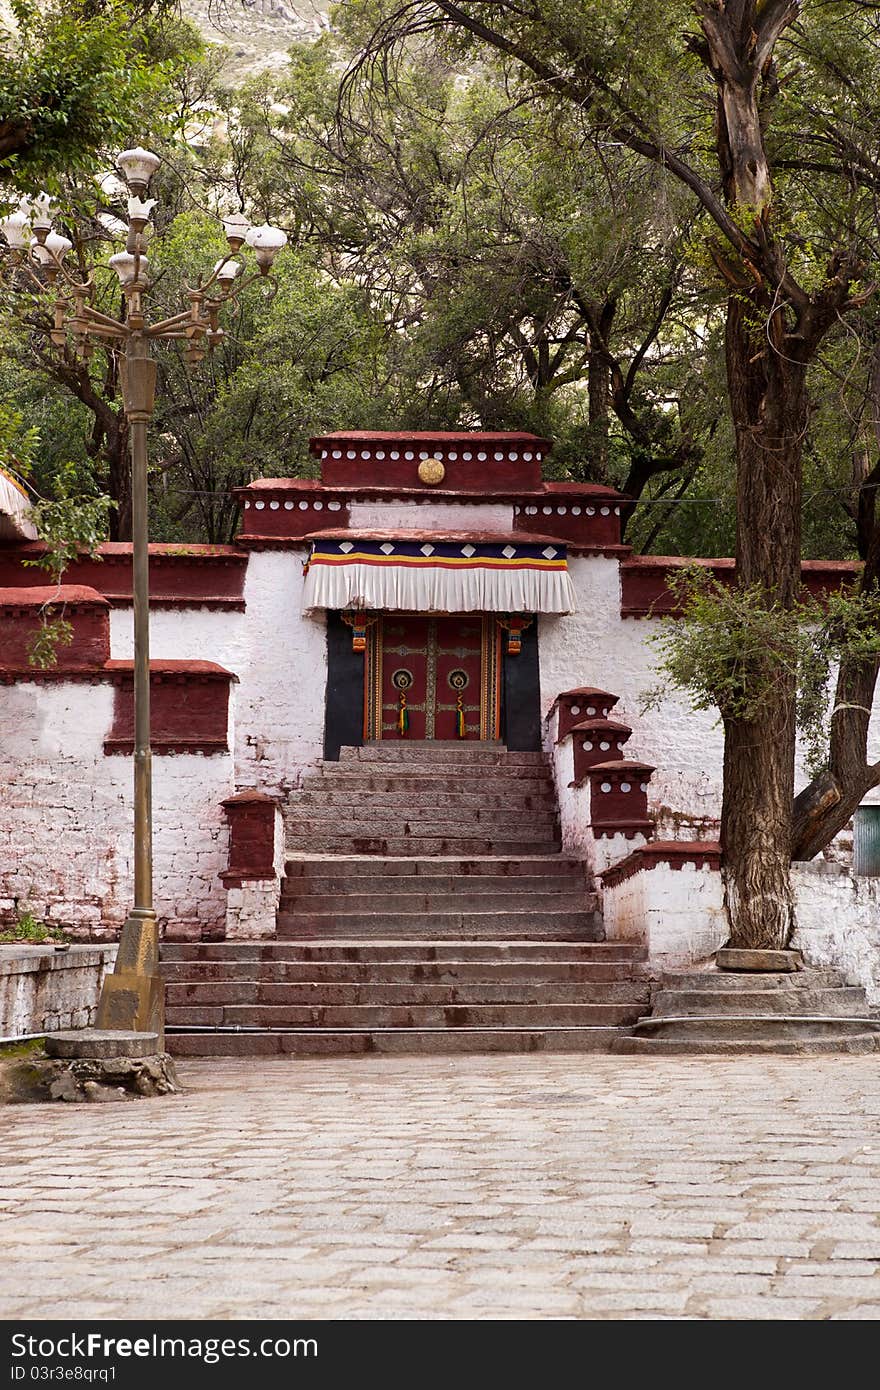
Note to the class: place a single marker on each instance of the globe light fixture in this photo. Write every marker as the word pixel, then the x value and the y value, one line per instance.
pixel 128 267
pixel 16 228
pixel 236 227
pixel 226 272
pixel 137 167
pixel 266 242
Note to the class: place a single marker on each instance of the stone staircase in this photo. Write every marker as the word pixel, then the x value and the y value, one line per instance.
pixel 812 1010
pixel 250 999
pixel 426 907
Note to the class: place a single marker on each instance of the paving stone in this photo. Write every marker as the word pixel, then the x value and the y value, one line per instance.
pixel 456 1187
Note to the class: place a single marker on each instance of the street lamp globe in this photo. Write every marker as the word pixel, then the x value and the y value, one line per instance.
pixel 266 242
pixel 226 271
pixel 236 227
pixel 128 266
pixel 16 228
pixel 137 167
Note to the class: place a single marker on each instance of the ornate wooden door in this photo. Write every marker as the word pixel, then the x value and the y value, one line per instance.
pixel 432 677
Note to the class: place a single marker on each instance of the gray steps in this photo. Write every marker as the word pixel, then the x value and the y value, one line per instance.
pixel 493 782
pixel 558 899
pixel 442 926
pixel 640 1046
pixel 390 1041
pixel 841 1002
pixel 465 753
pixel 345 868
pixel 442 800
pixel 341 992
pixel 269 1016
pixel 730 1012
pixel 407 952
pixel 410 845
pixel 409 973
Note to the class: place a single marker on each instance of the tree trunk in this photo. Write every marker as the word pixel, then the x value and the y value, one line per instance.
pixel 769 407
pixel 116 453
pixel 598 391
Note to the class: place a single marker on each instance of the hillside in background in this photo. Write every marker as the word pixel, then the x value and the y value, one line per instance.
pixel 257 33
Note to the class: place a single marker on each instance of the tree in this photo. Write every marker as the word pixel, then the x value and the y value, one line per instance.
pixel 74 78
pixel 783 91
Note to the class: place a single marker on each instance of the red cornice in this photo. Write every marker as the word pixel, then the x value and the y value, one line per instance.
pixel 644 580
pixel 702 854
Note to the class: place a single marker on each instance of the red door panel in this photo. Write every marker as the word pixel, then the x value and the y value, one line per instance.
pixel 427 665
pixel 458 662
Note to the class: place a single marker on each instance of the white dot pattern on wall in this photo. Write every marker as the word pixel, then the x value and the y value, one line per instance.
pixel 605 787
pixel 304 506
pixel 318 506
pixel 351 454
pixel 606 511
pixel 604 747
pixel 625 787
pixel 259 506
pixel 590 711
pixel 588 745
pixel 575 709
pixel 288 506
pixel 273 506
pixel 575 511
pixel 643 787
pixel 334 506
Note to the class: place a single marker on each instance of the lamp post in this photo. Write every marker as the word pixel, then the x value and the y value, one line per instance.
pixel 132 996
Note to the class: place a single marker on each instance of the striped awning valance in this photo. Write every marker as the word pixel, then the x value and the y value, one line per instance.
pixel 421 576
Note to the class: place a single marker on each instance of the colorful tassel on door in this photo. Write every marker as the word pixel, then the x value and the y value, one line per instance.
pixel 403 716
pixel 459 719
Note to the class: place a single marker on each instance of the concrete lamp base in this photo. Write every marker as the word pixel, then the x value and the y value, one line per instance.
pixel 133 997
pixel 92 1064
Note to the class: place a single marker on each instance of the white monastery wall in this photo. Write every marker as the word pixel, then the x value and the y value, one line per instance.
pixel 433 515
pixel 838 918
pixel 677 913
pixel 279 701
pixel 66 817
pixel 595 646
pixel 185 634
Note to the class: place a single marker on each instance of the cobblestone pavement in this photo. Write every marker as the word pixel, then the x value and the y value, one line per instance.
pixel 466 1187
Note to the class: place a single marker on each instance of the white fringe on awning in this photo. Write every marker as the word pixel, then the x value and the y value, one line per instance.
pixel 471 588
pixel 15 522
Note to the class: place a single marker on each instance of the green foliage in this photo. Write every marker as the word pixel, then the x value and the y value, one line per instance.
pixel 68 524
pixel 28 928
pixel 729 648
pixel 73 79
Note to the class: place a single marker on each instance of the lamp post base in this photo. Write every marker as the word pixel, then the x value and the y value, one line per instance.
pixel 133 997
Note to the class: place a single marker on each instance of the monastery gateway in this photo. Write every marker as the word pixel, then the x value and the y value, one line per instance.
pixel 404 787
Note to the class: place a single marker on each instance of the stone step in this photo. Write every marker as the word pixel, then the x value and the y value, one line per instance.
pixel 517 780
pixel 409 952
pixel 745 1026
pixel 739 1047
pixel 467 752
pixel 409 820
pixel 410 901
pixel 728 981
pixel 408 973
pixel 417 845
pixel 329 1043
pixel 402 1015
pixel 348 867
pixel 311 992
pixel 463 803
pixel 837 1001
pixel 479 888
pixel 445 926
